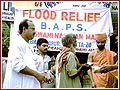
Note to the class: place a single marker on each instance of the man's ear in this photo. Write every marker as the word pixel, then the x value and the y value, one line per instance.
pixel 24 29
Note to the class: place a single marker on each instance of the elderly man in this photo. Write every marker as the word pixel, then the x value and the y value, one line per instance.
pixel 99 57
pixel 68 67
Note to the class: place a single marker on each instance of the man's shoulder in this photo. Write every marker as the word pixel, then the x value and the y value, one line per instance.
pixel 47 56
pixel 93 52
pixel 71 54
pixel 111 52
pixel 38 56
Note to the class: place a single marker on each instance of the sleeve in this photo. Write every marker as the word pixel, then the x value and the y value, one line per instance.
pixel 115 73
pixel 91 55
pixel 40 63
pixel 71 66
pixel 115 58
pixel 16 58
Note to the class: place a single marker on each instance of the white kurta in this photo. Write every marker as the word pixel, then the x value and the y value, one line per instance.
pixel 20 56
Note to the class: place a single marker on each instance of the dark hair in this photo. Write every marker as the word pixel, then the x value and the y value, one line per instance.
pixel 22 24
pixel 69 38
pixel 41 40
pixel 51 63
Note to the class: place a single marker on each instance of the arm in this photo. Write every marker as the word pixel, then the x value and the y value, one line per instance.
pixel 113 69
pixel 90 70
pixel 71 66
pixel 17 63
pixel 31 72
pixel 107 68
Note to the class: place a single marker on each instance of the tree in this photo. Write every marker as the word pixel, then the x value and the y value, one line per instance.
pixel 5 38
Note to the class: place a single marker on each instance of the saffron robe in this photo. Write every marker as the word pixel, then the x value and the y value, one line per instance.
pixel 104 80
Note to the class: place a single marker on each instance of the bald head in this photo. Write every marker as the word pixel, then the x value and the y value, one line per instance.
pixel 101 40
pixel 100 36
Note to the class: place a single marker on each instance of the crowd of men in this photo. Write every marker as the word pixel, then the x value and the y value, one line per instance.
pixel 28 69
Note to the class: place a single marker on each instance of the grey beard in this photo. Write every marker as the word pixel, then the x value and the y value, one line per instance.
pixel 73 49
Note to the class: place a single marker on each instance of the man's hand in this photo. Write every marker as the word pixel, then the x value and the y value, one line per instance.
pixel 107 68
pixel 85 66
pixel 41 78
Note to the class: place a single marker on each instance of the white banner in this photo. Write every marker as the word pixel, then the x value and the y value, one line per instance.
pixel 82 19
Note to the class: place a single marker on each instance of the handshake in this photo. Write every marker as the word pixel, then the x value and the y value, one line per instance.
pixel 47 75
pixel 43 77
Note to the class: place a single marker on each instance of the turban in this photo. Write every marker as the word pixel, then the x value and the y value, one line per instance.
pixel 100 36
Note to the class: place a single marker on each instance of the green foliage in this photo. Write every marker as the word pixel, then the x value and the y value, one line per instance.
pixel 5 39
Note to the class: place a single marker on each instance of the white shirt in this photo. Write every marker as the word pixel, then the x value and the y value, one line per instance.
pixel 43 62
pixel 20 56
pixel 42 66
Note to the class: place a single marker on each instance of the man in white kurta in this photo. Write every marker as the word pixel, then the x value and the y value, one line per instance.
pixel 21 71
pixel 20 56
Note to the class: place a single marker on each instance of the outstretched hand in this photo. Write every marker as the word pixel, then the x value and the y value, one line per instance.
pixel 86 66
pixel 106 68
